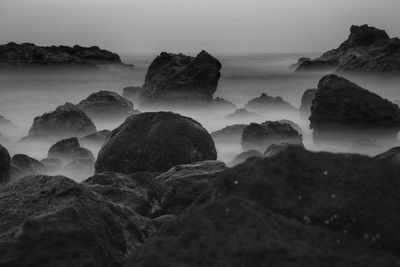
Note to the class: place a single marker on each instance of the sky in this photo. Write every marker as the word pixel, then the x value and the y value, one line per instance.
pixel 219 26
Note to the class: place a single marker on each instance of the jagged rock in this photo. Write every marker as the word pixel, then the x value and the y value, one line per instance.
pixel 132 93
pixel 340 103
pixel 69 150
pixel 392 156
pixel 120 189
pixel 177 78
pixel 53 221
pixel 66 121
pixel 243 114
pixel 5 161
pixel 229 134
pixel 155 141
pixel 366 50
pixel 306 102
pixel 265 103
pixel 260 136
pixel 29 56
pixel 25 166
pixel 176 189
pixel 52 165
pixel 242 157
pixel 106 105
pixel 96 138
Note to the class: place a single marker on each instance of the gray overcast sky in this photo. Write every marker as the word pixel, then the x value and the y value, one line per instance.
pixel 192 25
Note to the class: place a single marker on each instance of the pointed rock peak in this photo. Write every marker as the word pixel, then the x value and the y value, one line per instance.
pixel 365 35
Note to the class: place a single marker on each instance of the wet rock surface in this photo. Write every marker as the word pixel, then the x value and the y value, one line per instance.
pixel 156 142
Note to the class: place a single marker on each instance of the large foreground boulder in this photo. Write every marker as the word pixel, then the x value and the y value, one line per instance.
pixel 53 221
pixel 66 121
pixel 106 105
pixel 176 78
pixel 4 164
pixel 156 142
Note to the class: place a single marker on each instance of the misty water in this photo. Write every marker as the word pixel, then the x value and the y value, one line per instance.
pixel 244 77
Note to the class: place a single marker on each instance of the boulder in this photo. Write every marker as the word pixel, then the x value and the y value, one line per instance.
pixel 367 50
pixel 155 142
pixel 106 105
pixel 391 156
pixel 5 161
pixel 66 121
pixel 260 136
pixel 294 125
pixel 26 166
pixel 243 114
pixel 306 102
pixel 280 148
pixel 53 221
pixel 68 150
pixel 176 189
pixel 266 103
pixel 96 138
pixel 242 157
pixel 177 78
pixel 229 134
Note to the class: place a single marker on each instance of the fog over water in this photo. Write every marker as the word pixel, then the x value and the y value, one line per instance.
pixel 244 76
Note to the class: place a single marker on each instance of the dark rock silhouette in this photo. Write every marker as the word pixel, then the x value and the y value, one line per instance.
pixel 62 223
pixel 25 166
pixel 176 78
pixel 5 161
pixel 68 150
pixel 66 121
pixel 29 56
pixel 260 136
pixel 242 157
pixel 229 134
pixel 155 141
pixel 266 103
pixel 306 102
pixel 176 189
pixel 391 156
pixel 106 105
pixel 243 114
pixel 366 50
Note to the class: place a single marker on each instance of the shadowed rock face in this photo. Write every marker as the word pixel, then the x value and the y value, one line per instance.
pixel 391 156
pixel 66 121
pixel 339 103
pixel 260 136
pixel 366 50
pixel 106 105
pixel 306 101
pixel 155 141
pixel 62 223
pixel 4 164
pixel 69 149
pixel 175 78
pixel 265 103
pixel 26 166
pixel 132 93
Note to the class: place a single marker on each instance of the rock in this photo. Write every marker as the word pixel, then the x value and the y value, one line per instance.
pixel 96 138
pixel 26 166
pixel 173 191
pixel 132 93
pixel 266 103
pixel 260 136
pixel 294 125
pixel 66 121
pixel 306 102
pixel 53 221
pixel 229 134
pixel 397 102
pixel 177 78
pixel 106 105
pixel 243 114
pixel 7 128
pixel 391 156
pixel 299 62
pixel 342 105
pixel 366 50
pixel 222 104
pixel 242 157
pixel 68 150
pixel 5 161
pixel 29 56
pixel 234 231
pixel 155 142
pixel 52 165
pixel 120 189
pixel 274 150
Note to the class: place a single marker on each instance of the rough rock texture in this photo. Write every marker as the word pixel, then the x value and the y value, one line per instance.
pixel 366 50
pixel 68 150
pixel 229 134
pixel 176 189
pixel 96 138
pixel 294 125
pixel 277 149
pixel 306 101
pixel 62 223
pixel 266 103
pixel 26 55
pixel 339 103
pixel 243 114
pixel 242 157
pixel 392 156
pixel 174 78
pixel 132 93
pixel 260 136
pixel 4 164
pixel 155 142
pixel 120 189
pixel 26 165
pixel 106 105
pixel 66 121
